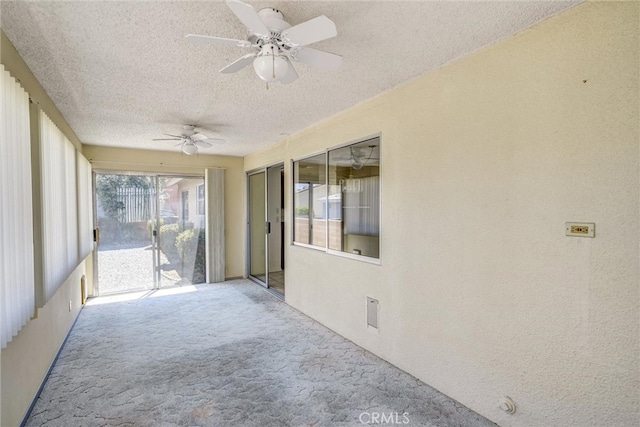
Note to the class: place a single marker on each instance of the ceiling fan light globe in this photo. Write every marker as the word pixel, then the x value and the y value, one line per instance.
pixel 271 68
pixel 189 148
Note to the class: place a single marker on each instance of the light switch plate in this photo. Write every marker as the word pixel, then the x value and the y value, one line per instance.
pixel 580 229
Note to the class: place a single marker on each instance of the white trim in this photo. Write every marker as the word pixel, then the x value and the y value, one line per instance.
pixel 326 249
pixel 308 246
pixel 309 156
pixel 369 260
pixel 357 141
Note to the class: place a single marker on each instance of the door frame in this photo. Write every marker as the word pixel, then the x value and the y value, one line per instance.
pixel 155 240
pixel 264 170
pixel 249 242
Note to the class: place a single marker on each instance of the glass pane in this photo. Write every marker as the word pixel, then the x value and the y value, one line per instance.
pixel 257 220
pixel 275 206
pixel 354 198
pixel 125 207
pixel 310 201
pixel 181 235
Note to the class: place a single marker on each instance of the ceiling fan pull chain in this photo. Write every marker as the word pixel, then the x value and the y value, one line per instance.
pixel 273 63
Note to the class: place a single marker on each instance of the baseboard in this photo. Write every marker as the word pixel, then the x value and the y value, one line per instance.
pixel 46 375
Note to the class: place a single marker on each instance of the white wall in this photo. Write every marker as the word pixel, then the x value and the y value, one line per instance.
pixel 483 161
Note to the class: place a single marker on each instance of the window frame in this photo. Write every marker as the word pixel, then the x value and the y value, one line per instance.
pixel 200 199
pixel 325 248
pixel 184 206
pixel 293 200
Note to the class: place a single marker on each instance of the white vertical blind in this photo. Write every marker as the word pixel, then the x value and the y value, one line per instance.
pixel 17 298
pixel 59 206
pixel 85 208
pixel 362 207
pixel 71 196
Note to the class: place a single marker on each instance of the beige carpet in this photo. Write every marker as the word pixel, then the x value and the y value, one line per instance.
pixel 226 355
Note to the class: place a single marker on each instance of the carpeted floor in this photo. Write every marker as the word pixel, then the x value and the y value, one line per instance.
pixel 225 355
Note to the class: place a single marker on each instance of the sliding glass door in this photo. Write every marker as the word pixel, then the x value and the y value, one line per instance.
pixel 180 241
pixel 151 231
pixel 275 228
pixel 125 205
pixel 266 227
pixel 257 228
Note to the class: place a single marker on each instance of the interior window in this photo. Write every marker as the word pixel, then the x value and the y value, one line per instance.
pixel 353 202
pixel 309 201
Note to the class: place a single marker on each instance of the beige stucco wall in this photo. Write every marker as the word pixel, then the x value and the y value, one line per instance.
pixel 28 356
pixel 483 161
pixel 122 159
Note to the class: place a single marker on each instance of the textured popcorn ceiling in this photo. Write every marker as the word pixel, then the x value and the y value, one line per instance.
pixel 121 73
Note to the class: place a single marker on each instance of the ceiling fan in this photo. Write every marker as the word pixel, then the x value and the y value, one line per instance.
pixel 190 140
pixel 359 157
pixel 276 43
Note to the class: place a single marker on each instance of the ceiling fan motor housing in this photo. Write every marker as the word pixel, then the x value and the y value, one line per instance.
pixel 273 19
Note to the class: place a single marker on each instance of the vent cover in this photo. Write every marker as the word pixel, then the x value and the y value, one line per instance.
pixel 372 312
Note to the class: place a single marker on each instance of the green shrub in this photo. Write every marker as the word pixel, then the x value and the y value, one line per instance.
pixel 185 243
pixel 191 250
pixel 150 224
pixel 302 211
pixel 168 235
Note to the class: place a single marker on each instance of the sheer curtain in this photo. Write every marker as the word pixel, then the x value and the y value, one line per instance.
pixel 17 299
pixel 59 206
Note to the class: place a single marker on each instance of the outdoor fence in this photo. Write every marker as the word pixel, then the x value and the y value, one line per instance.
pixel 135 204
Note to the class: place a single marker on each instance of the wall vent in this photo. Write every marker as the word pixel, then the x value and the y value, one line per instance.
pixel 372 312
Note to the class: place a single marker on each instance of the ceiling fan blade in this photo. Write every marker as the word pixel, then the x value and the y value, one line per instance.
pixel 166 139
pixel 214 141
pixel 291 75
pixel 239 64
pixel 203 144
pixel 198 137
pixel 194 38
pixel 311 31
pixel 174 136
pixel 323 60
pixel 249 17
pixel 209 142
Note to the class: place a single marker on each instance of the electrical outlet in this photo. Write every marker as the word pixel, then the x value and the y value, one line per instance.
pixel 580 229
